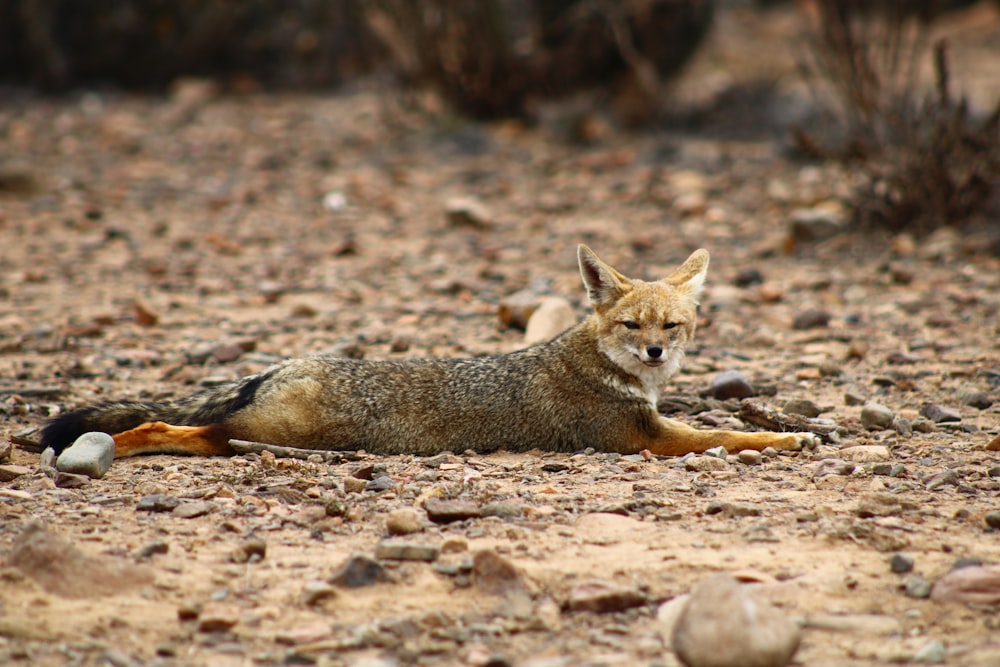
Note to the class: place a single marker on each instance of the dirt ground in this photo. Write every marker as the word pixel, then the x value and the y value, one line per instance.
pixel 153 246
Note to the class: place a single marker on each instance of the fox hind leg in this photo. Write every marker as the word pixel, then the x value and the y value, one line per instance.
pixel 162 438
pixel 677 439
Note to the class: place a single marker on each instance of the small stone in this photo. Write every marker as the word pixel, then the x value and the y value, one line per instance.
pixel 902 426
pixel 354 485
pixel 816 223
pixel 192 510
pixel 503 509
pixel 495 575
pixel 705 464
pixel 400 550
pixel 218 619
pixel 316 592
pixel 931 653
pixel 833 467
pixel 748 277
pixel 446 511
pixel 10 472
pixel 150 549
pixel 731 384
pixel 157 502
pixel 750 457
pixel 247 549
pixel 876 417
pixel 553 316
pixel 729 509
pixel 404 522
pixel 993 519
pixel 939 413
pixel 866 453
pixel 468 212
pixel 811 319
pixel 380 483
pixel 602 597
pixel 802 407
pixel 68 480
pixel 978 585
pixel 975 399
pixel 359 571
pixel 901 563
pixel 723 625
pixel 91 455
pixel 917 587
pixel 717 452
pixel 852 397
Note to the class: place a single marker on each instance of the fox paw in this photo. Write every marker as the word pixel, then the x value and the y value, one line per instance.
pixel 805 440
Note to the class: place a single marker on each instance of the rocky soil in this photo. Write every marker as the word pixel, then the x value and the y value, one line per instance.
pixel 155 246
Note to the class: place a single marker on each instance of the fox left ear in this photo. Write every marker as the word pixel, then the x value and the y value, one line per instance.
pixel 691 274
pixel 604 284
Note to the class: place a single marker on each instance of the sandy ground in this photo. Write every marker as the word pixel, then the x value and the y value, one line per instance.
pixel 160 245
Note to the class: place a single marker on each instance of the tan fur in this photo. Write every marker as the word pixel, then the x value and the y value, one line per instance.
pixel 596 385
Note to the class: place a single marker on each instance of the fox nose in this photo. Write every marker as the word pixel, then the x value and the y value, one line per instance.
pixel 654 351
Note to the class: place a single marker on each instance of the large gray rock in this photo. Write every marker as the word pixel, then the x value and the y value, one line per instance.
pixel 91 455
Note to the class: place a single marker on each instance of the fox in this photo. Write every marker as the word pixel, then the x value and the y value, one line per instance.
pixel 596 385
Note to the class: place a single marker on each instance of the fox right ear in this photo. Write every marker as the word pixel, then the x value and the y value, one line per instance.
pixel 604 285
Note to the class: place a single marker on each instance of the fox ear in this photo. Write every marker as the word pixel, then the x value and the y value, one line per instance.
pixel 604 285
pixel 691 274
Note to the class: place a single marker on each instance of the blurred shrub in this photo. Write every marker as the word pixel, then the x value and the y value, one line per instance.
pixel 56 44
pixel 925 160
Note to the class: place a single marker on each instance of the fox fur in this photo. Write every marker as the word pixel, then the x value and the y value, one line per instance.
pixel 595 385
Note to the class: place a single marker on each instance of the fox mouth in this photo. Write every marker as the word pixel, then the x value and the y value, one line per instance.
pixel 653 363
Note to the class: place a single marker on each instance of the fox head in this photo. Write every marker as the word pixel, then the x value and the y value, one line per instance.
pixel 644 327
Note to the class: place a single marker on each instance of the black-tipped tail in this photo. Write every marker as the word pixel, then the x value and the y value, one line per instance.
pixel 112 418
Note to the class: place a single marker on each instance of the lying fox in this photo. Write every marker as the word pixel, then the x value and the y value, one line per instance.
pixel 595 385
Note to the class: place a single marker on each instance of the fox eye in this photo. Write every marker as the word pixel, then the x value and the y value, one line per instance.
pixel 670 325
pixel 631 325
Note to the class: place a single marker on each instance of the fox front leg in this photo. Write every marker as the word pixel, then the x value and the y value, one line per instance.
pixel 677 439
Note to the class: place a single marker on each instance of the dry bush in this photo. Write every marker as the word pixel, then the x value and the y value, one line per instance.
pixel 925 160
pixel 493 58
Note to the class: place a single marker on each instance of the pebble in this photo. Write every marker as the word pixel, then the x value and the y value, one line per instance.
pixel 401 550
pixel 815 223
pixel 218 619
pixel 150 549
pixel 748 277
pixel 503 509
pixel 723 625
pixel 603 597
pixel 901 563
pixel 993 519
pixel 10 472
pixel 359 571
pixel 446 511
pixel 69 480
pixel 975 399
pixel 468 212
pixel 939 413
pixel 380 483
pixel 354 485
pixel 853 397
pixel 750 457
pixel 553 316
pixel 978 585
pixel 717 452
pixel 811 319
pixel 802 407
pixel 866 453
pixel 931 653
pixel 315 592
pixel 917 587
pixel 404 522
pixel 705 464
pixel 495 575
pixel 247 549
pixel 192 510
pixel 157 502
pixel 833 467
pixel 876 417
pixel 731 384
pixel 732 509
pixel 91 455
